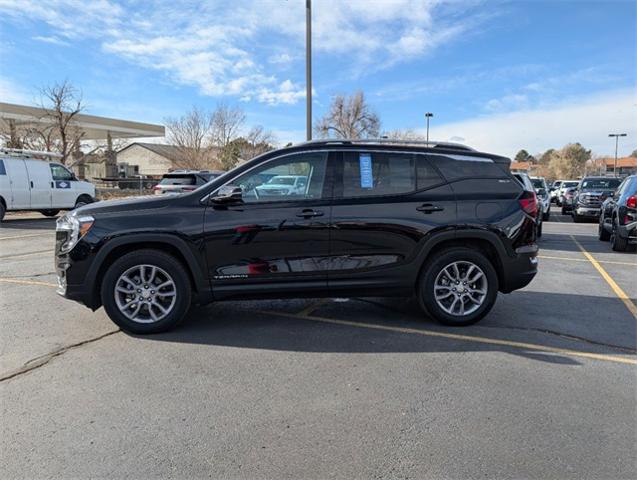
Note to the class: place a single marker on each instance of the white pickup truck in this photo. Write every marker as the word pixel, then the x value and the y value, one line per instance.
pixel 27 183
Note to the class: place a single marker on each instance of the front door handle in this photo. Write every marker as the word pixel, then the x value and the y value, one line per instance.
pixel 429 208
pixel 308 213
pixel 31 182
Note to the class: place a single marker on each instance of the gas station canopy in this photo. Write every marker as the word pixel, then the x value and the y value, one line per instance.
pixel 94 128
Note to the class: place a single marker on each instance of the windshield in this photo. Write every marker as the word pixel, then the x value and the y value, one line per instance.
pixel 600 184
pixel 569 184
pixel 282 181
pixel 537 182
pixel 178 180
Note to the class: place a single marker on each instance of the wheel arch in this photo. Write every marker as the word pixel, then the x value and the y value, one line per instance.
pixel 167 243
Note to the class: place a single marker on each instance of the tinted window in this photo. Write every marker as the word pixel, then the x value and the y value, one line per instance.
pixel 297 177
pixel 464 166
pixel 426 174
pixel 368 173
pixel 178 180
pixel 58 172
pixel 2 169
pixel 600 183
pixel 537 182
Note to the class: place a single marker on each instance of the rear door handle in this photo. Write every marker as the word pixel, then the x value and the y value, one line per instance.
pixel 429 208
pixel 308 213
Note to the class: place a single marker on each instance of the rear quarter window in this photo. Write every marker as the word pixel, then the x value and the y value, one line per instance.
pixel 463 166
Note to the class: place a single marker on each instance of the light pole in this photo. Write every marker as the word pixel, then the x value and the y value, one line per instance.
pixel 308 68
pixel 616 135
pixel 428 115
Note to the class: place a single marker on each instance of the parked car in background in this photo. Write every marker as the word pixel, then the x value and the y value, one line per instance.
pixel 282 185
pixel 565 185
pixel 442 222
pixel 567 200
pixel 544 199
pixel 27 183
pixel 526 182
pixel 618 217
pixel 590 193
pixel 554 190
pixel 181 181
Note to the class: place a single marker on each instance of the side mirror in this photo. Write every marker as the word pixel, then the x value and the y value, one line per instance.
pixel 228 194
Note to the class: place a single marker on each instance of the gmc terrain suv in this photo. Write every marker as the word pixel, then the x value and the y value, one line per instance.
pixel 443 222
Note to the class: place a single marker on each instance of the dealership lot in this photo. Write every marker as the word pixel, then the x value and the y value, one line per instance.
pixel 544 387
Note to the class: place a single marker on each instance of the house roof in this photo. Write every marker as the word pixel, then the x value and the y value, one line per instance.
pixel 521 165
pixel 621 162
pixel 170 152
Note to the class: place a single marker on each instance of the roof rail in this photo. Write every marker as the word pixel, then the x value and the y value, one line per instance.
pixel 20 152
pixel 380 141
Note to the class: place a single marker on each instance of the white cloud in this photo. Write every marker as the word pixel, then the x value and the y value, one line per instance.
pixel 218 47
pixel 587 120
pixel 12 93
pixel 51 39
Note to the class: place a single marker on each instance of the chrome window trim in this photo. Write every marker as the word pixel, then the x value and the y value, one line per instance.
pixel 206 197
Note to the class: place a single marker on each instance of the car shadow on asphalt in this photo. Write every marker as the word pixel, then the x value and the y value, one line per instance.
pixel 274 326
pixel 562 242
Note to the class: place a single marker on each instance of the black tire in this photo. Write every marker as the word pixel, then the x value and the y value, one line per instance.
pixel 435 265
pixel 83 200
pixel 539 229
pixel 602 233
pixel 159 259
pixel 3 210
pixel 564 211
pixel 546 215
pixel 577 218
pixel 617 242
pixel 49 213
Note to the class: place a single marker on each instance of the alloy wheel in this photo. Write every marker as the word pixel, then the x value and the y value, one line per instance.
pixel 145 293
pixel 460 288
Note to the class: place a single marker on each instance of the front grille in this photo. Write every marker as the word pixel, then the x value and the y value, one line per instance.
pixel 593 201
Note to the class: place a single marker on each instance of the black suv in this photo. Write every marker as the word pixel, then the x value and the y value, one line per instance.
pixel 443 222
pixel 618 219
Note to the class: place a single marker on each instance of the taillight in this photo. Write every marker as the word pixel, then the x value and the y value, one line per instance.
pixel 156 187
pixel 631 202
pixel 528 202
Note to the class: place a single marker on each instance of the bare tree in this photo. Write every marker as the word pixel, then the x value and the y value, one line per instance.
pixel 62 103
pixel 349 117
pixel 191 134
pixel 226 122
pixel 258 141
pixel 55 130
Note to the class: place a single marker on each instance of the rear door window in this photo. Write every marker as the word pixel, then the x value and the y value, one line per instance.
pixel 426 175
pixel 366 174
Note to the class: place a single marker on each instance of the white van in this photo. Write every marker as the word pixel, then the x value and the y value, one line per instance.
pixel 47 187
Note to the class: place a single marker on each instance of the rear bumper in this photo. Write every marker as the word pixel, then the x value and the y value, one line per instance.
pixel 629 232
pixel 518 271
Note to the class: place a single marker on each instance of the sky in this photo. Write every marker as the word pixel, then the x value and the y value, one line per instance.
pixel 497 75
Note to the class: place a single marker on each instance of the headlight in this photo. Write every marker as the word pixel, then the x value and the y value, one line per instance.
pixel 76 227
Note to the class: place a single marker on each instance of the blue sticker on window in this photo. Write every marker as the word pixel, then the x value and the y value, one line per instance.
pixel 367 178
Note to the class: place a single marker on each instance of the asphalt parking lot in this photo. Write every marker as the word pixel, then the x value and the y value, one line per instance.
pixel 544 387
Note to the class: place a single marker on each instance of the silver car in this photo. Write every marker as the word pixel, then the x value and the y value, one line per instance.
pixel 544 198
pixel 181 181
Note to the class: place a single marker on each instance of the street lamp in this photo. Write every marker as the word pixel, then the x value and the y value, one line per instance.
pixel 308 68
pixel 616 135
pixel 428 115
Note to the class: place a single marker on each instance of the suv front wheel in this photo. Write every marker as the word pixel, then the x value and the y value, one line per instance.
pixel 146 291
pixel 458 286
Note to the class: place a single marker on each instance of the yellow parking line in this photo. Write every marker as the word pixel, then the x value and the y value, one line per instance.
pixel 585 260
pixel 27 282
pixel 457 336
pixel 25 236
pixel 613 285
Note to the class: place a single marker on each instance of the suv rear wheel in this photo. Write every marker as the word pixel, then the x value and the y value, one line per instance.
pixel 617 242
pixel 146 291
pixel 458 286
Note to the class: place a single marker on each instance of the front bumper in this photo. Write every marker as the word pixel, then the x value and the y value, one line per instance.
pixel 588 211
